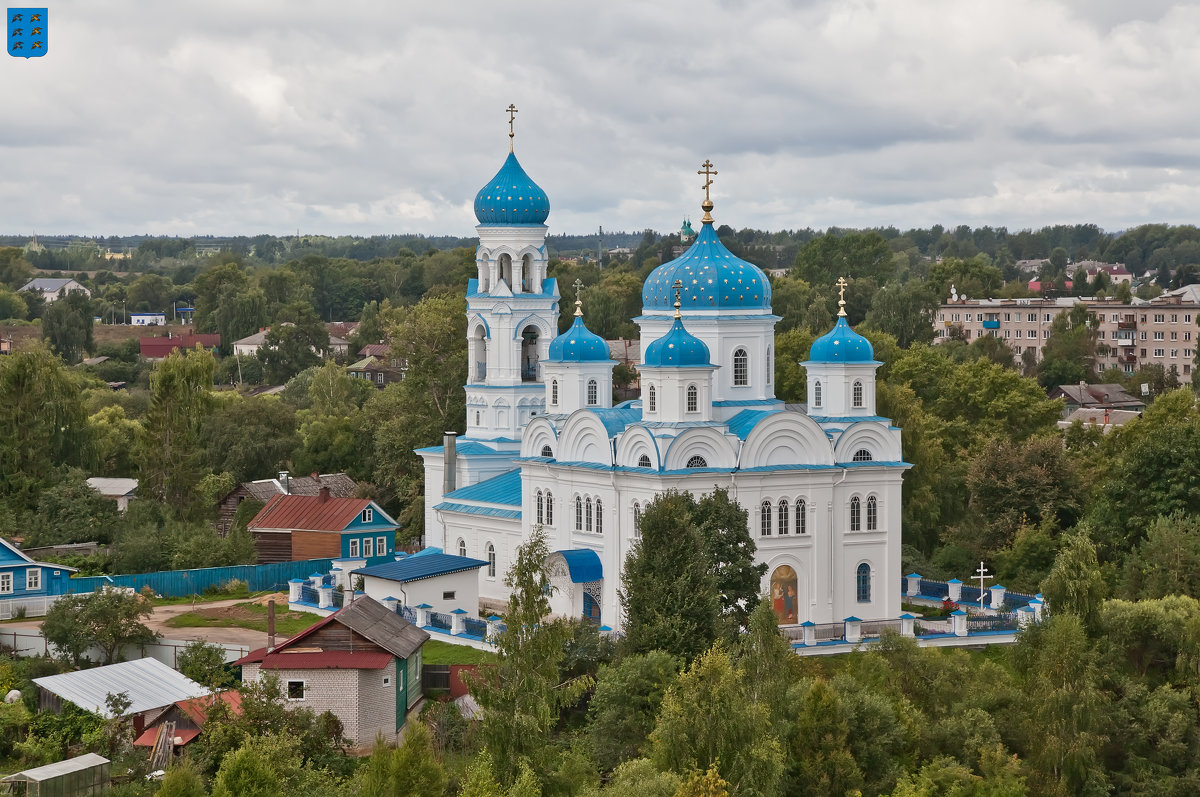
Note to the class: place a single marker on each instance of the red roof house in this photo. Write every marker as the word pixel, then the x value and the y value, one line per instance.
pixel 297 527
pixel 158 348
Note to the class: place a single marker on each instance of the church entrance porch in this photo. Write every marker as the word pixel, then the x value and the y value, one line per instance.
pixel 576 584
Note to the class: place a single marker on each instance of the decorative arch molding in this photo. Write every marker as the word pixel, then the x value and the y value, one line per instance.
pixel 799 578
pixel 540 432
pixel 517 254
pixel 786 438
pixel 702 442
pixel 873 437
pixel 635 443
pixel 545 333
pixel 473 324
pixel 584 439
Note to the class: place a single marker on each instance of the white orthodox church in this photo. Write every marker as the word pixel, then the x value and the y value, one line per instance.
pixel 546 447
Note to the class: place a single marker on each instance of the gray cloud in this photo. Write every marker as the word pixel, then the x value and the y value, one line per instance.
pixel 368 117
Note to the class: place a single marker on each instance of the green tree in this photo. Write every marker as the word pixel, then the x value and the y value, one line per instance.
pixel 297 340
pixel 1069 356
pixel 906 311
pixel 1075 585
pixel 523 695
pixel 67 326
pixel 107 619
pixel 1167 562
pixel 853 255
pixel 117 440
pixel 410 769
pixel 334 392
pixel 245 772
pixel 181 780
pixel 205 664
pixel 72 512
pixel 820 761
pixel 42 423
pixel 172 458
pixel 729 549
pixel 625 703
pixel 706 719
pixel 249 438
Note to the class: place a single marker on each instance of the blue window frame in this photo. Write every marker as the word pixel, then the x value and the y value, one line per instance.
pixel 864 583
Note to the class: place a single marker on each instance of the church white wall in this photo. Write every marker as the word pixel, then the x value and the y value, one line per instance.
pixel 670 394
pixel 477 531
pixel 837 388
pixel 572 380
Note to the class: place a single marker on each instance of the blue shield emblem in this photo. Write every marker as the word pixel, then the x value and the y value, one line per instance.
pixel 27 32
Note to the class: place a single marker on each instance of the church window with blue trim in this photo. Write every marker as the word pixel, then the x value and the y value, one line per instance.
pixel 863 583
pixel 872 514
pixel 855 514
pixel 554 392
pixel 858 393
pixel 644 461
pixel 741 368
pixel 547 452
pixel 693 399
pixel 764 519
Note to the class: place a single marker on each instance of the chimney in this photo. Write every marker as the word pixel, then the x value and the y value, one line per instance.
pixel 449 462
pixel 1106 416
pixel 270 625
pixel 285 482
pixel 323 495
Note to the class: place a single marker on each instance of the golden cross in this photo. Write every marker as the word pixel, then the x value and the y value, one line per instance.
pixel 841 283
pixel 678 286
pixel 708 171
pixel 578 286
pixel 512 114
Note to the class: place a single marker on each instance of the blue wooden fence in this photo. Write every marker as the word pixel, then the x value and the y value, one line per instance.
pixel 178 583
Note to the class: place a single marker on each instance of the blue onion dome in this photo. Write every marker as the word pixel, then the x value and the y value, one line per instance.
pixel 578 344
pixel 678 348
pixel 511 198
pixel 713 279
pixel 841 345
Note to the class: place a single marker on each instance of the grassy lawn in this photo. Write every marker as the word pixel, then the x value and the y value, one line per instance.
pixel 245 615
pixel 435 652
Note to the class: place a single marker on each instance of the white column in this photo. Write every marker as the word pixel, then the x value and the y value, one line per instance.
pixel 908 625
pixel 810 636
pixel 853 629
pixel 456 621
pixel 423 614
pixel 955 589
pixel 914 584
pixel 959 622
pixel 325 596
pixel 998 597
pixel 294 589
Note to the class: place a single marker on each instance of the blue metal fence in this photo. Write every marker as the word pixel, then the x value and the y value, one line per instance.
pixel 178 583
pixel 476 627
pixel 408 614
pixel 439 620
pixel 310 595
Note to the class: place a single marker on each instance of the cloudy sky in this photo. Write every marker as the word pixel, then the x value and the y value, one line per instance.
pixel 364 117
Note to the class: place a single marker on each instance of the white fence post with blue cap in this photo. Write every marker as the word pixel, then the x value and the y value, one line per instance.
pixel 955 589
pixel 456 621
pixel 908 625
pixel 998 597
pixel 853 629
pixel 423 614
pixel 959 622
pixel 324 596
pixel 493 627
pixel 810 633
pixel 294 586
pixel 914 584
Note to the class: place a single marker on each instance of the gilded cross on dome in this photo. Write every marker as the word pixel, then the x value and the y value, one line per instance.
pixel 841 283
pixel 578 286
pixel 512 114
pixel 678 286
pixel 708 171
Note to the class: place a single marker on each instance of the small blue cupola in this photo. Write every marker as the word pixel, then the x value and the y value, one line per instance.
pixel 677 375
pixel 511 198
pixel 578 370
pixel 841 370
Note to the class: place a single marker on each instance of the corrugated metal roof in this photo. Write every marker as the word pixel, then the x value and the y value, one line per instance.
pixel 415 568
pixel 161 347
pixel 49 284
pixel 467 509
pixel 112 487
pixel 503 489
pixel 616 419
pixel 583 564
pixel 309 513
pixel 329 660
pixel 744 422
pixel 57 769
pixel 340 486
pixel 468 448
pixel 148 683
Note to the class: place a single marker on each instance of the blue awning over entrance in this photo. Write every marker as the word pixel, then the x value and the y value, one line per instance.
pixel 583 565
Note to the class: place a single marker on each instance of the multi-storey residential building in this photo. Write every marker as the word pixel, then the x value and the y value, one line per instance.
pixel 1160 331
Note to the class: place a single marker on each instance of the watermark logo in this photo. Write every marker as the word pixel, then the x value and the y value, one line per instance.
pixel 27 32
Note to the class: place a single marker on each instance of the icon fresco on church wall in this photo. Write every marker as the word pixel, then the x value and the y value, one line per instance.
pixel 784 594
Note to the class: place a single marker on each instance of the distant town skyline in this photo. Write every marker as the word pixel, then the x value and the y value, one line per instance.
pixel 241 119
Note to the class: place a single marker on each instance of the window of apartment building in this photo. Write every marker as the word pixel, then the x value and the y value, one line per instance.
pixel 1006 333
pixel 1143 318
pixel 1049 318
pixel 1116 318
pixel 1187 352
pixel 1187 318
pixel 1158 336
pixel 1045 333
pixel 954 317
pixel 1143 353
pixel 1174 336
pixel 1032 317
pixel 1141 335
pixel 1160 318
pixel 1187 335
pixel 941 316
pixel 1006 317
pixel 1174 352
pixel 970 316
pixel 1159 352
pixel 1174 318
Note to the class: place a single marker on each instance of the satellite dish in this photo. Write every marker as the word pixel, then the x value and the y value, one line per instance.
pixel 1145 388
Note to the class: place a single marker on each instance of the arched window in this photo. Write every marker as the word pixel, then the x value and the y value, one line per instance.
pixel 637 519
pixel 553 392
pixel 477 417
pixel 650 402
pixel 693 399
pixel 783 516
pixel 599 516
pixel 547 451
pixel 764 519
pixel 770 365
pixel 697 462
pixel 643 461
pixel 549 509
pixel 801 519
pixel 741 368
pixel 863 455
pixel 491 557
pixel 578 513
pixel 588 514
pixel 541 508
pixel 872 514
pixel 591 393
pixel 462 547
pixel 858 393
pixel 863 583
pixel 855 514
pixel 817 394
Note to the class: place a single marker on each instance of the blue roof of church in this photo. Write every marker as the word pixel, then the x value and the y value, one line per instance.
pixel 583 564
pixel 841 345
pixel 578 344
pixel 744 422
pixel 511 198
pixel 415 568
pixel 713 279
pixel 503 489
pixel 678 348
pixel 616 419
